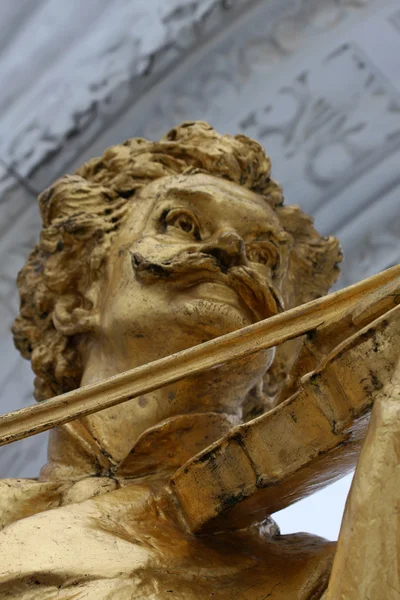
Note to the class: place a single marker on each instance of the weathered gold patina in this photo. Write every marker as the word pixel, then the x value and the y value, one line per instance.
pixel 146 252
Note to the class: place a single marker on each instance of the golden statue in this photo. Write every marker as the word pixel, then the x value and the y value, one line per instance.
pixel 169 248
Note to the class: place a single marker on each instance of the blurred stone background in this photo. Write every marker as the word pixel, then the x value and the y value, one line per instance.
pixel 317 82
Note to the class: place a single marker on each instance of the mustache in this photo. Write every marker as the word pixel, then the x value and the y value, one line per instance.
pixel 190 268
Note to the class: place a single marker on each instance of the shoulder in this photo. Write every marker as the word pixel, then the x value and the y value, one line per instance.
pixel 91 539
pixel 21 498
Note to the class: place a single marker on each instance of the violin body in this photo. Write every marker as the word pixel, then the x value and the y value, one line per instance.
pixel 308 441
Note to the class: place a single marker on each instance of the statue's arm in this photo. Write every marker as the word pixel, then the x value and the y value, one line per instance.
pixel 367 560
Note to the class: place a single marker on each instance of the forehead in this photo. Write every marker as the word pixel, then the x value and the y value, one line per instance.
pixel 214 195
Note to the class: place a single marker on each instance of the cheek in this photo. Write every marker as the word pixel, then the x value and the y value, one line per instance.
pixel 128 306
pixel 118 294
pixel 159 247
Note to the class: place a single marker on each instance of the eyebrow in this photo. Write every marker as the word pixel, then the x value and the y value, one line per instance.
pixel 185 194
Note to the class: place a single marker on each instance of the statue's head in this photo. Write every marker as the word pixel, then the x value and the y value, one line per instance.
pixel 158 246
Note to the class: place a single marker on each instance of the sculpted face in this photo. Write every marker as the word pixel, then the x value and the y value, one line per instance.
pixel 193 261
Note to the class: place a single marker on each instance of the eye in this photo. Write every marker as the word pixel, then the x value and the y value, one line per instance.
pixel 263 253
pixel 183 220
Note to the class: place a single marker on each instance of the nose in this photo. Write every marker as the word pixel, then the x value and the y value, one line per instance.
pixel 228 249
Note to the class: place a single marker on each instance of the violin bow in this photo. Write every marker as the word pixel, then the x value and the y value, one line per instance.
pixel 264 334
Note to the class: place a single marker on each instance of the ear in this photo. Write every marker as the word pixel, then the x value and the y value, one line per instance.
pixel 73 314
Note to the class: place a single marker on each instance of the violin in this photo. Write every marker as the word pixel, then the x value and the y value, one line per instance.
pixel 309 440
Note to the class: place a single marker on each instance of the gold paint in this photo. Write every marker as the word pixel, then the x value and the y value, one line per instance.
pixel 151 250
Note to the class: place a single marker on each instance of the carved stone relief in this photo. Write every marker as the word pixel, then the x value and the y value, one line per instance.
pixel 269 35
pixel 327 137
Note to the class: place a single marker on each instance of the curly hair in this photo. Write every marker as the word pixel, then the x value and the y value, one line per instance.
pixel 81 214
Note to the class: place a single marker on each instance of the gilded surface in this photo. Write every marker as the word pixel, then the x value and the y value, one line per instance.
pixel 151 249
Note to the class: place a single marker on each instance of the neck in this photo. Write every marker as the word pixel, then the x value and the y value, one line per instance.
pixel 154 433
pixel 118 429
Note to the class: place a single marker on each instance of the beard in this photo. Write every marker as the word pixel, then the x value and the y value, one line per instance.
pixel 187 269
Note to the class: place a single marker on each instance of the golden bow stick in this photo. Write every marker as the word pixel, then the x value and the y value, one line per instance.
pixel 265 334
